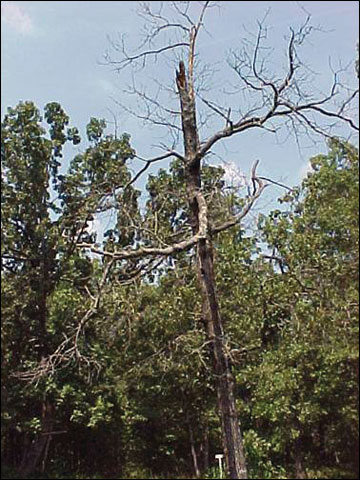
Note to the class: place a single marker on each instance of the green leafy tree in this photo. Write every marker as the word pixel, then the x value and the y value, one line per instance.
pixel 304 395
pixel 44 277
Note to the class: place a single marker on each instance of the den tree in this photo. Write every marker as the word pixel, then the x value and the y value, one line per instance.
pixel 273 100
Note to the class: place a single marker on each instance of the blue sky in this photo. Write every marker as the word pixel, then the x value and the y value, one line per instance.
pixel 52 51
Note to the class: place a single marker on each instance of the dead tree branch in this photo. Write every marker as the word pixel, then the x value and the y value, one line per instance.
pixel 69 350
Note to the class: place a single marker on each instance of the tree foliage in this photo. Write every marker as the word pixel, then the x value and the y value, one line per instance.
pixel 150 407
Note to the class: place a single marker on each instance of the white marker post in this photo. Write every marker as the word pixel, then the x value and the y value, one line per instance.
pixel 219 457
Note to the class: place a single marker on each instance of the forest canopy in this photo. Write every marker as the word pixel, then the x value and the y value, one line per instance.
pixel 136 395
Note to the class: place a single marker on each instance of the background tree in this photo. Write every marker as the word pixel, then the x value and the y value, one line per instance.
pixel 315 242
pixel 302 304
pixel 39 236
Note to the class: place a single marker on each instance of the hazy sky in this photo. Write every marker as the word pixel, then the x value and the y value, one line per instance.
pixel 52 51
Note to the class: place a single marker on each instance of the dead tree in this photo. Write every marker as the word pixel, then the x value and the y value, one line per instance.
pixel 279 98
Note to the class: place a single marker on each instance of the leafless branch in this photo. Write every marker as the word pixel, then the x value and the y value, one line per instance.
pixel 282 185
pixel 148 162
pixel 143 56
pixel 69 350
pixel 258 188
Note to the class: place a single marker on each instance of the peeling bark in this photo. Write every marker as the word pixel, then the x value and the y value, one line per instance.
pixel 232 441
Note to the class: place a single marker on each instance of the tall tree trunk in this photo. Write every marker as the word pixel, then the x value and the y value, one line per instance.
pixel 232 441
pixel 36 452
pixel 231 435
pixel 299 456
pixel 205 449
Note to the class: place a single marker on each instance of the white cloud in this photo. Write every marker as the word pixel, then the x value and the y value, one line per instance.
pixel 233 175
pixel 94 226
pixel 304 170
pixel 16 18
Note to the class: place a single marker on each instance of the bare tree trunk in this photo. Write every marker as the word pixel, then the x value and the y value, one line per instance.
pixel 46 452
pixel 299 468
pixel 37 450
pixel 192 447
pixel 205 449
pixel 299 459
pixel 232 441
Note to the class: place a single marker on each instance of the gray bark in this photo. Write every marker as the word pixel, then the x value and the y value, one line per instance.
pixel 231 435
